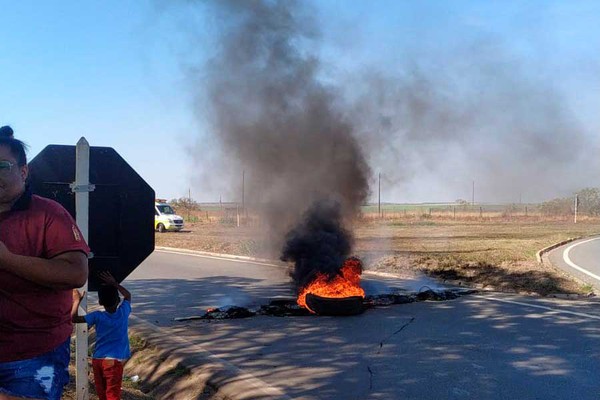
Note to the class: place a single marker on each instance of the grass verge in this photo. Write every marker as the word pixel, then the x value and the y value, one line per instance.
pixel 496 253
pixel 148 375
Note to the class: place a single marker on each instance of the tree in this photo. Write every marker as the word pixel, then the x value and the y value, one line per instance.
pixel 589 201
pixel 184 203
pixel 557 207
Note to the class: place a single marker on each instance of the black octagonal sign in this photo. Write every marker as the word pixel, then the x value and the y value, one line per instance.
pixel 121 207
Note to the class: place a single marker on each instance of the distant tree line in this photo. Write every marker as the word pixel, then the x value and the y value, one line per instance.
pixel 184 203
pixel 589 203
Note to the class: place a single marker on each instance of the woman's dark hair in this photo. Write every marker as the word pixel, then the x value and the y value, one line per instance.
pixel 108 296
pixel 16 147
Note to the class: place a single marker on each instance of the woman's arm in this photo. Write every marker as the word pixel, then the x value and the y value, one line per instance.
pixel 65 271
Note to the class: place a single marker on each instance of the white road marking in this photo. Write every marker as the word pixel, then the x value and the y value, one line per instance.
pixel 578 314
pixel 575 266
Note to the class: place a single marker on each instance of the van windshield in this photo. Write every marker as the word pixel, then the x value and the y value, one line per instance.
pixel 165 209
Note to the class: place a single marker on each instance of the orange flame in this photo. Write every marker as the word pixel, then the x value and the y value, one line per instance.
pixel 346 284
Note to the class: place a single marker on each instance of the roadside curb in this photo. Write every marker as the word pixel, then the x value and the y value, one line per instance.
pixel 225 378
pixel 540 253
pixel 221 255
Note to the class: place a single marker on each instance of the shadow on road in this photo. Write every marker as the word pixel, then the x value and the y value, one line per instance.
pixel 168 299
pixel 471 347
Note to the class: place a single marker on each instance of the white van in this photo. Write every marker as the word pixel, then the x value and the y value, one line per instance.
pixel 165 218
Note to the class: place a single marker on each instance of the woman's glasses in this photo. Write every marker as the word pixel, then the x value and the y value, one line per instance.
pixel 5 168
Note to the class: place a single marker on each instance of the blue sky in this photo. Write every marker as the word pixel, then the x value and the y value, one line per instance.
pixel 100 70
pixel 117 72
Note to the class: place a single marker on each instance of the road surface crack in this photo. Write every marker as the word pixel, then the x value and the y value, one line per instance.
pixel 381 343
pixel 395 333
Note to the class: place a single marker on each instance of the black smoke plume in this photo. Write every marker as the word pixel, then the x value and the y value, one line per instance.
pixel 276 120
pixel 319 244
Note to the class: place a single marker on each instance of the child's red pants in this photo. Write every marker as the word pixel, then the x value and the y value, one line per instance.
pixel 108 376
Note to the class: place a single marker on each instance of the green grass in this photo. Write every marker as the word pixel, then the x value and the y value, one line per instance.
pixel 136 343
pixel 587 288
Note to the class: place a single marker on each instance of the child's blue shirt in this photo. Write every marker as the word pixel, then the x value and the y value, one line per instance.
pixel 112 340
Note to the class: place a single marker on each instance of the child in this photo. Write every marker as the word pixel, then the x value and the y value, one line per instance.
pixel 112 340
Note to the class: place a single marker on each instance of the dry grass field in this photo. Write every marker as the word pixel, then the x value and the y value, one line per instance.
pixel 499 254
pixel 496 251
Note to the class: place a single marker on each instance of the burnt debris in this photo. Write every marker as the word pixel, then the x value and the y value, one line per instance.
pixel 349 305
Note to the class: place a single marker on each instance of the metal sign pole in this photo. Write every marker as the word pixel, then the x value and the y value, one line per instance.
pixel 82 187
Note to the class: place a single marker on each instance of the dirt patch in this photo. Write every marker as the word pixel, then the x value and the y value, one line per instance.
pixel 216 238
pixel 522 276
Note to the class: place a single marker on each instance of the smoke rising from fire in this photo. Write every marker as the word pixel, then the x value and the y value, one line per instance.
pixel 277 122
pixel 478 114
pixel 435 110
pixel 432 115
pixel 318 244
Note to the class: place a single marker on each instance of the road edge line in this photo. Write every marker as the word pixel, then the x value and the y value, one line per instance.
pixel 571 264
pixel 220 255
pixel 558 311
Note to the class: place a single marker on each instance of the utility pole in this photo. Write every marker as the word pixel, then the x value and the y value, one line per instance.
pixel 473 194
pixel 576 206
pixel 379 207
pixel 244 193
pixel 243 188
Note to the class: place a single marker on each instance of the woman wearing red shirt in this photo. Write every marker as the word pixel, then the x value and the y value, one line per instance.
pixel 42 258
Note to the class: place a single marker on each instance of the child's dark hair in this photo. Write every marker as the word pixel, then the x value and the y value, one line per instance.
pixel 16 147
pixel 108 296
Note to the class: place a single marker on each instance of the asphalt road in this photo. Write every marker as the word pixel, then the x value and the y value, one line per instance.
pixel 493 346
pixel 580 258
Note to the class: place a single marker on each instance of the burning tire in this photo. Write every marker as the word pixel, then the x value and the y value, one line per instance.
pixel 335 306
